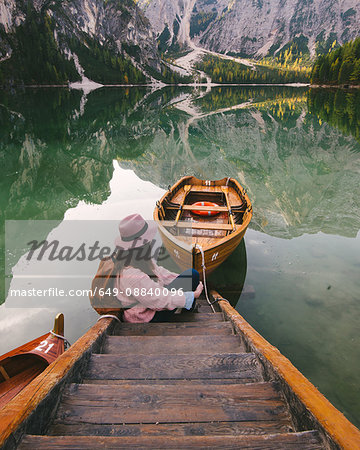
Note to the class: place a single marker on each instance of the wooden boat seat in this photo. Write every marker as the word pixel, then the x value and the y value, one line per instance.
pixel 206 189
pixel 199 225
pixel 202 208
pixel 4 373
pixel 235 208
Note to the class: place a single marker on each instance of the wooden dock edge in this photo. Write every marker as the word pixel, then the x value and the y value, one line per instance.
pixel 311 409
pixel 33 408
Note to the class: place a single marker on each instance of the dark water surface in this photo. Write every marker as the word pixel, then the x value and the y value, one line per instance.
pixel 99 156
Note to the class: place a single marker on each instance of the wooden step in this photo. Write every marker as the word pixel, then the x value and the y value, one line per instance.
pixel 173 381
pixel 243 366
pixel 173 329
pixel 280 425
pixel 106 405
pixel 202 300
pixel 176 345
pixel 197 317
pixel 205 309
pixel 306 440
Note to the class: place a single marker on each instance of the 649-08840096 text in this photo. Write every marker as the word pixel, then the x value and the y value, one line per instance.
pixel 56 292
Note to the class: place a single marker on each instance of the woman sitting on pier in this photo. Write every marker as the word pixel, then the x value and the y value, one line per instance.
pixel 149 292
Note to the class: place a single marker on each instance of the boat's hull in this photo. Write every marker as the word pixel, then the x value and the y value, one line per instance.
pixel 214 256
pixel 21 366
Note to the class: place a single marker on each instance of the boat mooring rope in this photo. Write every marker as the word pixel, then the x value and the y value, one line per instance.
pixel 66 342
pixel 204 275
pixel 109 316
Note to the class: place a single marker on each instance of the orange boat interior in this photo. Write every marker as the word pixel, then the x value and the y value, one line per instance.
pixel 16 373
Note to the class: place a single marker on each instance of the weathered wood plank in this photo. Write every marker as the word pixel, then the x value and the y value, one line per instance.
pixel 199 225
pixel 176 345
pixel 166 394
pixel 198 317
pixel 172 329
pixel 173 382
pixel 305 441
pixel 278 425
pixel 11 387
pixel 223 365
pixel 202 300
pixel 166 404
pixel 205 308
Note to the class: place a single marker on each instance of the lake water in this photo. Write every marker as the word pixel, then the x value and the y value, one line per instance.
pixel 70 157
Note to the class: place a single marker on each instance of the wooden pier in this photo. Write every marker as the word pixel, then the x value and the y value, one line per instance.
pixel 205 380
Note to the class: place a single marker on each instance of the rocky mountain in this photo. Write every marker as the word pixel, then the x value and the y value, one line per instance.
pixel 255 27
pixel 107 36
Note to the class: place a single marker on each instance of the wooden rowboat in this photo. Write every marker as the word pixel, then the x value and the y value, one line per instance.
pixel 20 366
pixel 194 234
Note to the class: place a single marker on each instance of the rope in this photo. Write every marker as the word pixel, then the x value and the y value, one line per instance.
pixel 204 275
pixel 109 316
pixel 66 342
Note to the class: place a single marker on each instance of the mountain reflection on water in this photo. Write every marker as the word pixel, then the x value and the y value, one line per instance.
pixel 301 173
pixel 296 151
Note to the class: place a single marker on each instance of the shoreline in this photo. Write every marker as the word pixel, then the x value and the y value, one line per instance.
pixel 151 85
pixel 85 87
pixel 334 86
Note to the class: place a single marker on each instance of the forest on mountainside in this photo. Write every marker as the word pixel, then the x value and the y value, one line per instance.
pixel 35 58
pixel 339 67
pixel 38 59
pixel 229 71
pixel 40 51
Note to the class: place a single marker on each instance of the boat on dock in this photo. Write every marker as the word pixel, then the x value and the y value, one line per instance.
pixel 21 366
pixel 201 222
pixel 203 380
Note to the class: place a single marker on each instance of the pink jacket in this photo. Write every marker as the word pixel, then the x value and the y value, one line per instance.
pixel 142 297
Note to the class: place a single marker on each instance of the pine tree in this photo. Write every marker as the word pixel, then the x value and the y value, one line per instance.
pixel 345 71
pixel 355 75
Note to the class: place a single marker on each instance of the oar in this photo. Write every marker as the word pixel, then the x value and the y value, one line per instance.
pixel 187 189
pixel 225 190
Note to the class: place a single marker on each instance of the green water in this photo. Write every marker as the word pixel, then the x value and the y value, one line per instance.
pixel 297 153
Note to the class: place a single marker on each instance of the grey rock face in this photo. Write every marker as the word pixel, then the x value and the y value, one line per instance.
pixel 253 27
pixel 111 22
pixel 7 9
